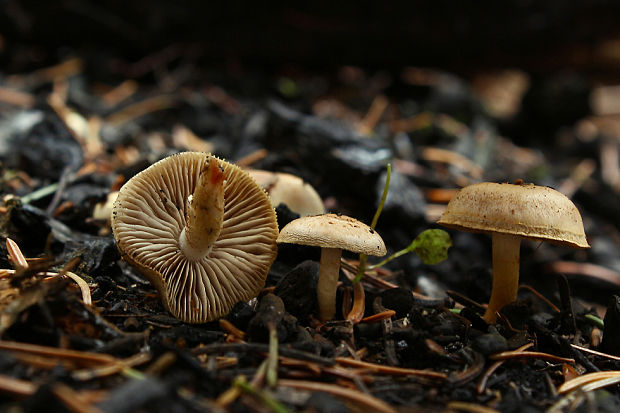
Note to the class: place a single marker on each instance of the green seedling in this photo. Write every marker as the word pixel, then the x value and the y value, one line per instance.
pixel 272 358
pixel 595 321
pixel 363 257
pixel 430 245
pixel 268 400
pixel 40 193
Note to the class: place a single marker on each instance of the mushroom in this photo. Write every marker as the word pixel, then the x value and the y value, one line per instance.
pixel 103 210
pixel 510 212
pixel 333 233
pixel 299 196
pixel 200 229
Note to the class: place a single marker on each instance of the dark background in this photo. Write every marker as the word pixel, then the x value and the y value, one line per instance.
pixel 458 36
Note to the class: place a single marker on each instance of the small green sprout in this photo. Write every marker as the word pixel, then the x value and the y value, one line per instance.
pixel 595 321
pixel 430 245
pixel 268 400
pixel 272 358
pixel 363 257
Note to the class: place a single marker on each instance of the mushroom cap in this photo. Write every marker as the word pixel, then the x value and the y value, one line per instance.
pixel 299 196
pixel 333 231
pixel 149 215
pixel 103 209
pixel 530 211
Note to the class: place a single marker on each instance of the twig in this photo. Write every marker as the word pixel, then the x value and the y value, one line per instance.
pixel 73 400
pixel 349 374
pixel 144 107
pixel 222 99
pixel 19 261
pixel 578 176
pixel 17 98
pixel 440 195
pixel 539 295
pixel 482 384
pixel 121 92
pixel 79 356
pixel 252 158
pixel 378 106
pixel 432 154
pixel 585 268
pixel 598 384
pixel 370 403
pixel 609 159
pixel 368 277
pixel 530 354
pixel 378 368
pixel 383 315
pixel 262 348
pixel 596 353
pixel 64 69
pixel 290 362
pixel 15 255
pixel 108 370
pixel 470 373
pixel 62 184
pixel 470 407
pixel 84 288
pixel 17 386
pixel 419 121
pixel 586 379
pixel 231 329
pixel 460 298
pixel 386 329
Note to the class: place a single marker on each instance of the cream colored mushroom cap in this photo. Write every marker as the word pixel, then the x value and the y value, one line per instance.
pixel 299 196
pixel 333 231
pixel 149 215
pixel 531 211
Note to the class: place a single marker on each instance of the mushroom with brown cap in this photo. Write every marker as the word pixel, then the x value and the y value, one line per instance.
pixel 510 212
pixel 200 229
pixel 333 233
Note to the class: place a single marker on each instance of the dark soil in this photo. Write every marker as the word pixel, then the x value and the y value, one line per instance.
pixel 90 95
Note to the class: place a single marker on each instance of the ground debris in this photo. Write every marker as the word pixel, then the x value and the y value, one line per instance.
pixel 82 330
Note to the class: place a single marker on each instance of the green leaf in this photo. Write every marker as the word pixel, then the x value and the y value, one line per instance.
pixel 431 246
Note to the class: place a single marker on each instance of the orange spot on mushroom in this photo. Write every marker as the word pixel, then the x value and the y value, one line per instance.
pixel 216 174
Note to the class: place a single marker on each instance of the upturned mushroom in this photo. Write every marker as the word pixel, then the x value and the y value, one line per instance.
pixel 511 212
pixel 333 233
pixel 200 229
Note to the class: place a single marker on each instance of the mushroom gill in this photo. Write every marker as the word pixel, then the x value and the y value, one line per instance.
pixel 149 218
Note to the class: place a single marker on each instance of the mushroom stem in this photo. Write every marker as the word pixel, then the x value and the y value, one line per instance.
pixel 328 282
pixel 505 273
pixel 205 212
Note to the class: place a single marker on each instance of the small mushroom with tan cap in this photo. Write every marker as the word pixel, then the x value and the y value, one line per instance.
pixel 511 212
pixel 200 229
pixel 333 233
